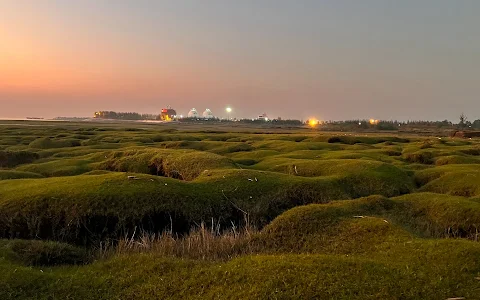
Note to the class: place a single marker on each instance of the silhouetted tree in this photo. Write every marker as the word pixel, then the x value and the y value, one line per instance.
pixel 463 121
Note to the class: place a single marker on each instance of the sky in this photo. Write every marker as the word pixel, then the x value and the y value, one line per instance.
pixel 333 60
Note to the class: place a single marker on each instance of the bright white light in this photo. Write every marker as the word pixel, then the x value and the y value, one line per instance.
pixel 228 109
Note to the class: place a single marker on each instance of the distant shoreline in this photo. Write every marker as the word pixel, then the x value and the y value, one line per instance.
pixel 74 119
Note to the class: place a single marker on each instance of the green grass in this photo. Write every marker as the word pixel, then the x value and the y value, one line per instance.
pixel 422 271
pixel 307 214
pixel 107 204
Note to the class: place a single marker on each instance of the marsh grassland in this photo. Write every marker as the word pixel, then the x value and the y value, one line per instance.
pixel 135 211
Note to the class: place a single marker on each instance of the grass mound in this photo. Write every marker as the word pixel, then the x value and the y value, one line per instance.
pixel 358 177
pixel 452 184
pixel 9 159
pixel 458 180
pixel 424 176
pixel 352 140
pixel 96 206
pixel 257 155
pixel 12 174
pixel 456 159
pixel 338 227
pixel 186 165
pixel 63 167
pixel 436 215
pixel 364 225
pixel 471 151
pixel 217 147
pixel 43 253
pixel 48 143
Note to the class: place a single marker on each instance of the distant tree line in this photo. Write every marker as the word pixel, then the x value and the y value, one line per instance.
pixel 247 121
pixel 124 115
pixel 463 123
pixel 287 122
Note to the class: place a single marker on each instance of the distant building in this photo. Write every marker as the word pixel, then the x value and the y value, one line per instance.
pixel 207 114
pixel 168 114
pixel 263 117
pixel 193 113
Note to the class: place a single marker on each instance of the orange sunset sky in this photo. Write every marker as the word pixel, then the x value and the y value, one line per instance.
pixel 333 59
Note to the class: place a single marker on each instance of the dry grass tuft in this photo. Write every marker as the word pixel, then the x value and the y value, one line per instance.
pixel 201 242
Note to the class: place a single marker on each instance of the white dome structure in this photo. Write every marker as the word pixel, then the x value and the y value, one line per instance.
pixel 193 113
pixel 207 114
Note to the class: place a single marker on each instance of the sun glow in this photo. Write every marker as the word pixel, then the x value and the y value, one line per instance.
pixel 312 122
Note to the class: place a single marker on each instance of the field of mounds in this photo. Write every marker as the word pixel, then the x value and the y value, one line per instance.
pixel 160 212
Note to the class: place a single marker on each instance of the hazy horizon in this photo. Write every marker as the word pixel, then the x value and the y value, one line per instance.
pixel 404 60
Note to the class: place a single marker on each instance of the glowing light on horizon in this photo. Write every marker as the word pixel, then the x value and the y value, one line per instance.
pixel 228 110
pixel 313 122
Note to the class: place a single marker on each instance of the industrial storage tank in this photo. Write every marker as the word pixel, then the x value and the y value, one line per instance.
pixel 207 114
pixel 168 114
pixel 193 113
